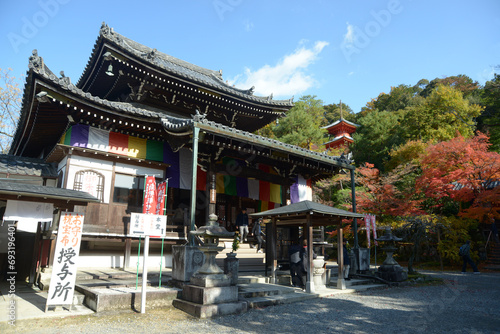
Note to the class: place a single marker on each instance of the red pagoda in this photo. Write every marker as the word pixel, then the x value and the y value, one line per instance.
pixel 341 131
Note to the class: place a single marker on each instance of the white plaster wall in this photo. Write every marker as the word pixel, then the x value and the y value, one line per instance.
pixel 138 170
pixel 114 259
pixel 82 163
pixel 61 168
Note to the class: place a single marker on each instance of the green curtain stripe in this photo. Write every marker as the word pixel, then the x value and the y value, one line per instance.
pixel 67 137
pixel 230 185
pixel 154 150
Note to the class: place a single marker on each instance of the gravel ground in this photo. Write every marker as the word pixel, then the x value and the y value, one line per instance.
pixel 463 304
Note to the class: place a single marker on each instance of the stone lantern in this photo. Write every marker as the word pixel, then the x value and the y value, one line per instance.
pixel 210 292
pixel 390 270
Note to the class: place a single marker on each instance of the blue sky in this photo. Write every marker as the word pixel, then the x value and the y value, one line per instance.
pixel 338 50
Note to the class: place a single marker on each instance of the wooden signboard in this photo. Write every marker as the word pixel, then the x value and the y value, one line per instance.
pixel 69 238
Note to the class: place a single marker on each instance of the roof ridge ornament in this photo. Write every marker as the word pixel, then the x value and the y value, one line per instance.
pixel 199 117
pixel 105 29
pixel 64 80
pixel 36 62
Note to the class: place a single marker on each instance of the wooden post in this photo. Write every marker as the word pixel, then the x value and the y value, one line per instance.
pixel 309 234
pixel 340 260
pixel 126 257
pixel 273 250
pixel 35 254
pixel 196 133
pixel 355 220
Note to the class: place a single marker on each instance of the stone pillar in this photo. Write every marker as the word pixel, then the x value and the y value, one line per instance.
pixel 186 260
pixel 318 272
pixel 231 267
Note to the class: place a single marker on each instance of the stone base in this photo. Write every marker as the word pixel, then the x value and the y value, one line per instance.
pixel 206 296
pixel 186 260
pixel 210 280
pixel 392 273
pixel 212 310
pixel 231 267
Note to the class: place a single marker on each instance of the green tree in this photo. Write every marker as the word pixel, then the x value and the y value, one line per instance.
pixel 460 82
pixel 490 118
pixel 443 113
pixel 332 113
pixel 378 134
pixel 302 124
pixel 10 106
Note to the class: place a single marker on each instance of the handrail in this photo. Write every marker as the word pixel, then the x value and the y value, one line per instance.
pixel 487 241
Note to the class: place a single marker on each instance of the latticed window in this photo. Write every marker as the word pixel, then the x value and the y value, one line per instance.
pixel 91 182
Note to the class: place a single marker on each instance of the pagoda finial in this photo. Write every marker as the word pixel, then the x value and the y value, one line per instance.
pixel 341 116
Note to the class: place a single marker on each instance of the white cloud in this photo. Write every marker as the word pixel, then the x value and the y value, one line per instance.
pixel 487 74
pixel 350 73
pixel 248 25
pixel 288 77
pixel 349 35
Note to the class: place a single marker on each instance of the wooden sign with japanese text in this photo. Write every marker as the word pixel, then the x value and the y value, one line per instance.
pixel 69 238
pixel 144 224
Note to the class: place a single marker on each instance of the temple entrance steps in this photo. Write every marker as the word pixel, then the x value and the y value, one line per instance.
pixel 249 259
pixel 493 262
pixel 358 284
pixel 113 289
pixel 265 294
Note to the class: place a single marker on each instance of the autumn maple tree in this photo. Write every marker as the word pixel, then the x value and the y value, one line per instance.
pixel 464 170
pixel 383 196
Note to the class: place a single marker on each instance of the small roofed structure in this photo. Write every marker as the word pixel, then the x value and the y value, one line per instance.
pixel 307 214
pixel 341 130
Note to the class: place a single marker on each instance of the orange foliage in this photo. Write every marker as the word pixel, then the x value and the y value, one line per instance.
pixel 463 170
pixel 382 196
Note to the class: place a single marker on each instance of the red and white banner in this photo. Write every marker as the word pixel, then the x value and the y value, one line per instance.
pixel 149 205
pixel 374 228
pixel 160 200
pixel 368 224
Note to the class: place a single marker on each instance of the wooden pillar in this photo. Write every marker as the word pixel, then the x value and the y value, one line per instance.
pixel 340 260
pixel 273 251
pixel 211 189
pixel 355 220
pixel 126 257
pixel 35 255
pixel 196 133
pixel 309 234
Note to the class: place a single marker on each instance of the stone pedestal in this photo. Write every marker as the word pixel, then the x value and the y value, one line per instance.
pixel 210 293
pixel 392 273
pixel 318 272
pixel 186 260
pixel 231 267
pixel 390 270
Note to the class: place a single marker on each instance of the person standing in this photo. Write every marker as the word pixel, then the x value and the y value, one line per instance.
pixel 242 224
pixel 465 253
pixel 347 260
pixel 305 261
pixel 294 254
pixel 257 233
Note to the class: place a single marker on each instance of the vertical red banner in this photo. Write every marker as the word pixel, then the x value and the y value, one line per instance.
pixel 160 201
pixel 149 205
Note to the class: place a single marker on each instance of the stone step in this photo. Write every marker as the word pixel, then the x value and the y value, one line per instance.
pixel 103 299
pixel 252 279
pixel 258 302
pixel 122 282
pixel 262 290
pixel 352 281
pixel 78 298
